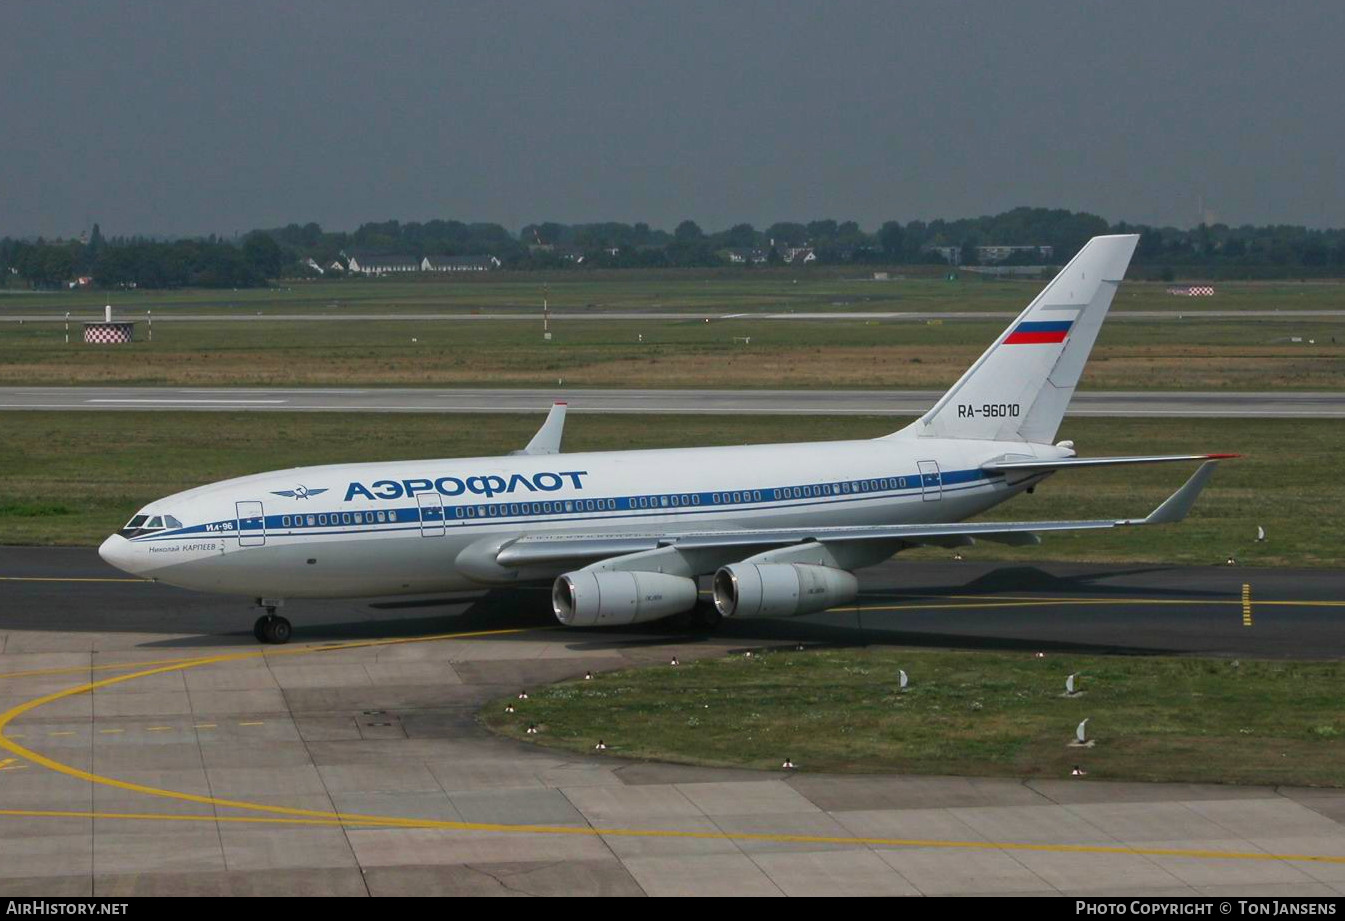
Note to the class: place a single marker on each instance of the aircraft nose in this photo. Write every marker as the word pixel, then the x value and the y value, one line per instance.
pixel 116 551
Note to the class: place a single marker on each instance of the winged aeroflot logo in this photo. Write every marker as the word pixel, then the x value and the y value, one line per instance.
pixel 298 492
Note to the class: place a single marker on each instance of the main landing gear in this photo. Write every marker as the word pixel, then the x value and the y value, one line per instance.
pixel 272 628
pixel 702 618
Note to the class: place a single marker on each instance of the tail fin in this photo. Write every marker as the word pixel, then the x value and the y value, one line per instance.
pixel 1019 388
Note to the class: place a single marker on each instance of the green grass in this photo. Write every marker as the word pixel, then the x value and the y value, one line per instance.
pixel 972 713
pixel 1190 354
pixel 73 478
pixel 694 290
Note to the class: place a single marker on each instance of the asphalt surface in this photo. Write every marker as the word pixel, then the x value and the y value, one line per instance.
pixel 148 746
pixel 1120 609
pixel 1289 405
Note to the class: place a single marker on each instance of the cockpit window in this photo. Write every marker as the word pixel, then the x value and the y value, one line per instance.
pixel 140 525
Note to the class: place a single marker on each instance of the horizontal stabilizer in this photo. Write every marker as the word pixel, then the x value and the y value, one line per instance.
pixel 1062 463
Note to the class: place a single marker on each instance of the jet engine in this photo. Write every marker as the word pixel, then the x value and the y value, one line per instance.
pixel 781 589
pixel 586 598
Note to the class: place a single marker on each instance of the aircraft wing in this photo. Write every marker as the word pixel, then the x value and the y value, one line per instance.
pixel 550 548
pixel 1063 463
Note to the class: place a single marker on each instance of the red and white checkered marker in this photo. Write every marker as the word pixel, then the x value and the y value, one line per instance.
pixel 108 333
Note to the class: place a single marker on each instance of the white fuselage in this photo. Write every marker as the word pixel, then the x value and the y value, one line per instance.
pixel 411 526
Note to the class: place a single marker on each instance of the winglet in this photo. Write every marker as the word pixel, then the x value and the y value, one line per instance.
pixel 547 439
pixel 1177 505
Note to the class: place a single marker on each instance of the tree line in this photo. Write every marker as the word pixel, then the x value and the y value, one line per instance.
pixel 1214 251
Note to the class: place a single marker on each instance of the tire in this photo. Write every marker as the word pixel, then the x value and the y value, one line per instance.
pixel 278 631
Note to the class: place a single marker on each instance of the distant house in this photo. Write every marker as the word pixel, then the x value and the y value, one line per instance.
pixel 742 255
pixel 797 255
pixel 989 255
pixel 383 265
pixel 951 254
pixel 312 263
pixel 459 263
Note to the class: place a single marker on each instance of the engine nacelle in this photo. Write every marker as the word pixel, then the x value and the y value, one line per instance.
pixel 781 589
pixel 585 598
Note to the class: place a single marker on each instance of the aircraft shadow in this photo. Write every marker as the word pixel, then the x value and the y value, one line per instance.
pixel 1036 580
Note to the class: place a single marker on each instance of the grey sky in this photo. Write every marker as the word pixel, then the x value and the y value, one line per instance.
pixel 190 117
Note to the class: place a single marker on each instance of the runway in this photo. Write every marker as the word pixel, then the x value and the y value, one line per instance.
pixel 1287 404
pixel 149 746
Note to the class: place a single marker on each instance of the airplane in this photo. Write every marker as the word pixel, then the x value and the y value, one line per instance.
pixel 623 536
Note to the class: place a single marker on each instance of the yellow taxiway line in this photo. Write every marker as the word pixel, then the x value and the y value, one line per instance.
pixel 285 815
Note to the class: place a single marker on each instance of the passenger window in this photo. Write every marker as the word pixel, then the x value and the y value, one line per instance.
pixel 696 499
pixel 382 517
pixel 345 517
pixel 663 501
pixel 285 521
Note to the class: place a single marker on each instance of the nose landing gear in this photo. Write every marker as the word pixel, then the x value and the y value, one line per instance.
pixel 272 628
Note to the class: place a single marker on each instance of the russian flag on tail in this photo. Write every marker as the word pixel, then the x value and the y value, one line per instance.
pixel 1038 332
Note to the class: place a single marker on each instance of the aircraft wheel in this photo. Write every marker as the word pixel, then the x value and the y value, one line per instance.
pixel 259 628
pixel 277 630
pixel 705 616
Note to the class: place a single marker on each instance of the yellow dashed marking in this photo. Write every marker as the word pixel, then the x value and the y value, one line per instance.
pixel 1246 605
pixel 204 726
pixel 253 723
pixel 65 732
pixel 158 728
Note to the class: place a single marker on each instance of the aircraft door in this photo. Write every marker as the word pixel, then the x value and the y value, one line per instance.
pixel 251 524
pixel 931 481
pixel 431 514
